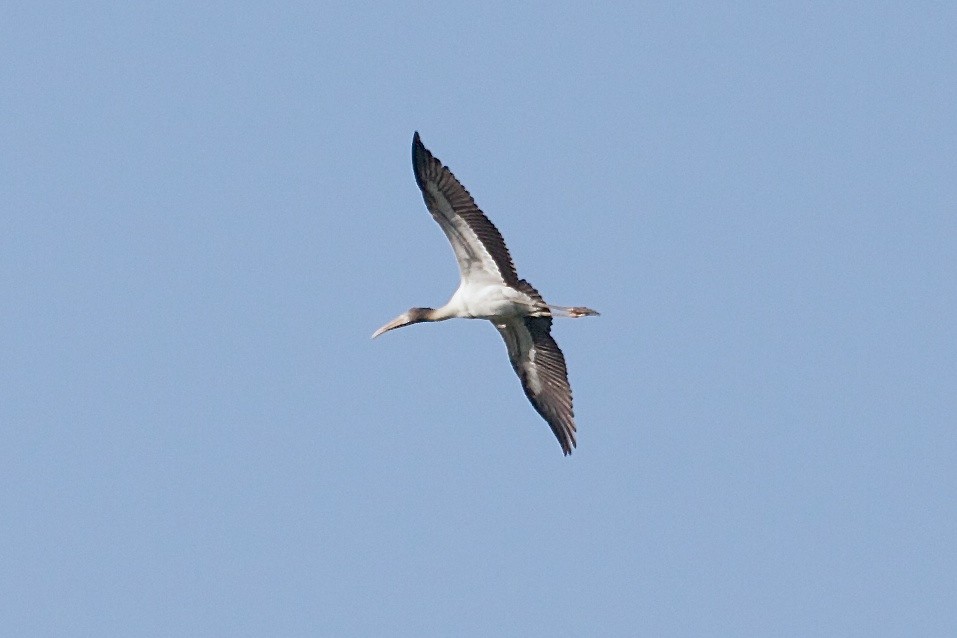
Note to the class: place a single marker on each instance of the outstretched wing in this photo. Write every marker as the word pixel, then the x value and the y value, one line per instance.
pixel 540 365
pixel 479 247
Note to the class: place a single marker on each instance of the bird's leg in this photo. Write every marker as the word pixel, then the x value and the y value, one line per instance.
pixel 573 312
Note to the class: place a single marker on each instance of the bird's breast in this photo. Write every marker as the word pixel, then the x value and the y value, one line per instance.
pixel 490 301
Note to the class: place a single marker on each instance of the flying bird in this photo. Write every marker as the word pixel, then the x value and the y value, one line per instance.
pixel 491 289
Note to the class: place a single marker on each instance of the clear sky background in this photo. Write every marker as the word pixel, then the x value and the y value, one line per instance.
pixel 207 209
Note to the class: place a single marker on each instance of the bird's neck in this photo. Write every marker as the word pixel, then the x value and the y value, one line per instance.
pixel 447 311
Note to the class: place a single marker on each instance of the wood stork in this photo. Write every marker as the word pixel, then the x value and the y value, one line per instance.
pixel 491 289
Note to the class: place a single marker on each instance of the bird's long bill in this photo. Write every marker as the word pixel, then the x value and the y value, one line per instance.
pixel 398 322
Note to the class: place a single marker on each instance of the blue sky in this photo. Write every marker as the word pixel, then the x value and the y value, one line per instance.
pixel 208 208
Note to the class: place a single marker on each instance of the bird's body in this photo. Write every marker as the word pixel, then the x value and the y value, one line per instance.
pixel 493 301
pixel 491 289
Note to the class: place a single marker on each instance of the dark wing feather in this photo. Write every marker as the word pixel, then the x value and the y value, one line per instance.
pixel 540 365
pixel 479 247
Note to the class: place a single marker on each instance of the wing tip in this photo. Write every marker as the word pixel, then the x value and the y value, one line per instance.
pixel 421 158
pixel 566 438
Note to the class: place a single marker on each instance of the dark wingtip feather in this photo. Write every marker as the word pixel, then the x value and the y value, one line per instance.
pixel 420 159
pixel 567 444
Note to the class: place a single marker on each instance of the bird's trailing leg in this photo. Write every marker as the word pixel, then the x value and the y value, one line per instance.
pixel 574 311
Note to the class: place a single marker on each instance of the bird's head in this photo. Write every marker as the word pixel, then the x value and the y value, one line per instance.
pixel 414 315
